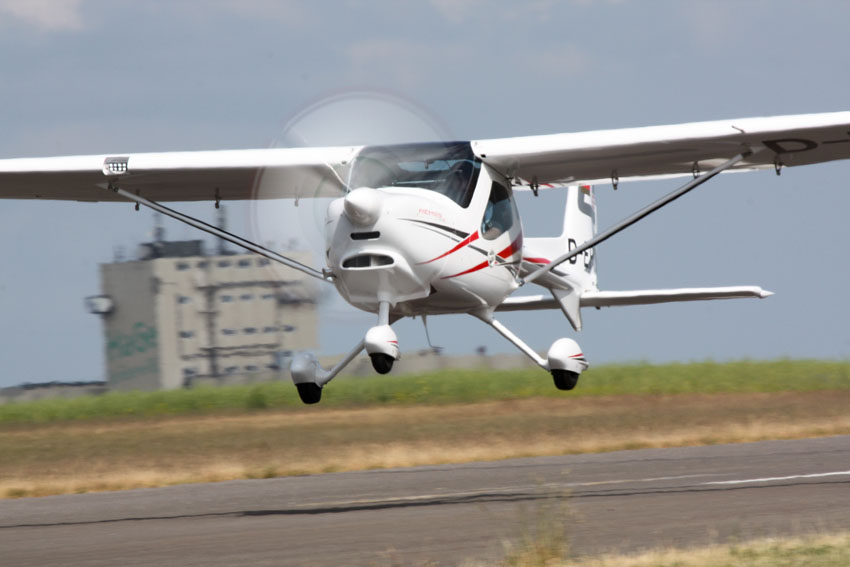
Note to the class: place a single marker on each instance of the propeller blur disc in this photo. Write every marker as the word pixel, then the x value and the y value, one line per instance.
pixel 353 118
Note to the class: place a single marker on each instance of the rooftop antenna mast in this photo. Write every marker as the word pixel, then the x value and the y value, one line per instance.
pixel 158 239
pixel 222 224
pixel 158 230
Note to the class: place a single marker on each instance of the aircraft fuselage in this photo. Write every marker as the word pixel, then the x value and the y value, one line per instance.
pixel 441 236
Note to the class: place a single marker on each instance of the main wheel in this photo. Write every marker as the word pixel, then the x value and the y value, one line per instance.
pixel 564 379
pixel 382 363
pixel 309 392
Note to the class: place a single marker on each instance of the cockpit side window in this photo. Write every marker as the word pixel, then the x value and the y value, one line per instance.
pixel 500 214
pixel 448 168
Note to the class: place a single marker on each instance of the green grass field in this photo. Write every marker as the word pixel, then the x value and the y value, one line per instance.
pixel 132 440
pixel 449 387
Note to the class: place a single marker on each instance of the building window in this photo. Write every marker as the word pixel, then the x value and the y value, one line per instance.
pixel 244 263
pixel 264 261
pixel 223 263
pixel 189 372
pixel 202 264
pixel 268 296
pixel 184 299
pixel 288 328
pixel 246 296
pixel 251 368
pixel 182 266
pixel 226 298
pixel 231 369
pixel 228 331
pixel 249 330
pixel 187 334
pixel 269 329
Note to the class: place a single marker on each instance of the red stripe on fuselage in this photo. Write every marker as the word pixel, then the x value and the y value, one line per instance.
pixel 515 247
pixel 480 266
pixel 465 242
pixel 509 251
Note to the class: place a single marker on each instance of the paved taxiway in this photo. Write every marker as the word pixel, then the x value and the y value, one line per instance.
pixel 623 500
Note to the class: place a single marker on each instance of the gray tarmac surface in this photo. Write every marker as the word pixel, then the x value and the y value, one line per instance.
pixel 624 500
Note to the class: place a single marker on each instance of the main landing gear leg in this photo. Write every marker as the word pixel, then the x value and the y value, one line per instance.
pixel 380 342
pixel 564 361
pixel 309 376
pixel 487 317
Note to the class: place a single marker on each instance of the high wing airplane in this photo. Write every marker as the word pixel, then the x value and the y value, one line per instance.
pixel 432 228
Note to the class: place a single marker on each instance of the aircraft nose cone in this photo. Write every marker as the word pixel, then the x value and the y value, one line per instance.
pixel 363 206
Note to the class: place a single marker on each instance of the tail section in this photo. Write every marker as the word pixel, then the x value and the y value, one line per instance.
pixel 573 284
pixel 577 276
pixel 579 227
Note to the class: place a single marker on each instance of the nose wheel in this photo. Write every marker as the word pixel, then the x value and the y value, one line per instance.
pixel 382 363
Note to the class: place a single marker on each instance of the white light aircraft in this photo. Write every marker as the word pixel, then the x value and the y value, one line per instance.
pixel 432 228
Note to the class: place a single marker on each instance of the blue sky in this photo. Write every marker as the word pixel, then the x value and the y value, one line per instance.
pixel 89 76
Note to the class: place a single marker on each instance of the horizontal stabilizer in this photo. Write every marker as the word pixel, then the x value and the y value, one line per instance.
pixel 636 297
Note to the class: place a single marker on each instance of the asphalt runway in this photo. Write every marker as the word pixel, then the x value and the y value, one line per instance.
pixel 624 500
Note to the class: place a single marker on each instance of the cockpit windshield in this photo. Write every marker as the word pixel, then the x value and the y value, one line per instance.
pixel 449 168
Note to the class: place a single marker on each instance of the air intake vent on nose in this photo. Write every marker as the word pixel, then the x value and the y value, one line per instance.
pixel 367 261
pixel 365 235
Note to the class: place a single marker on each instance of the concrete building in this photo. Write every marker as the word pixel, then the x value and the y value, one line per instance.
pixel 176 316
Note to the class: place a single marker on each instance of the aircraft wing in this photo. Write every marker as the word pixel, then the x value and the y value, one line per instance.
pixel 587 157
pixel 661 151
pixel 636 297
pixel 180 176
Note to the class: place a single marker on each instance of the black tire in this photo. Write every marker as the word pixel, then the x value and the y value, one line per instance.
pixel 564 379
pixel 382 363
pixel 309 392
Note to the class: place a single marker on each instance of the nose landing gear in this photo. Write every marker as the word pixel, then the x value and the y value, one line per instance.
pixel 381 342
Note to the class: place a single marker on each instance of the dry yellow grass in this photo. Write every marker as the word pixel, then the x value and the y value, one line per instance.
pixel 81 457
pixel 827 550
pixel 820 550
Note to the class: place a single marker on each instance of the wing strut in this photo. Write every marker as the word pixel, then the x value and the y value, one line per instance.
pixel 622 225
pixel 223 234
